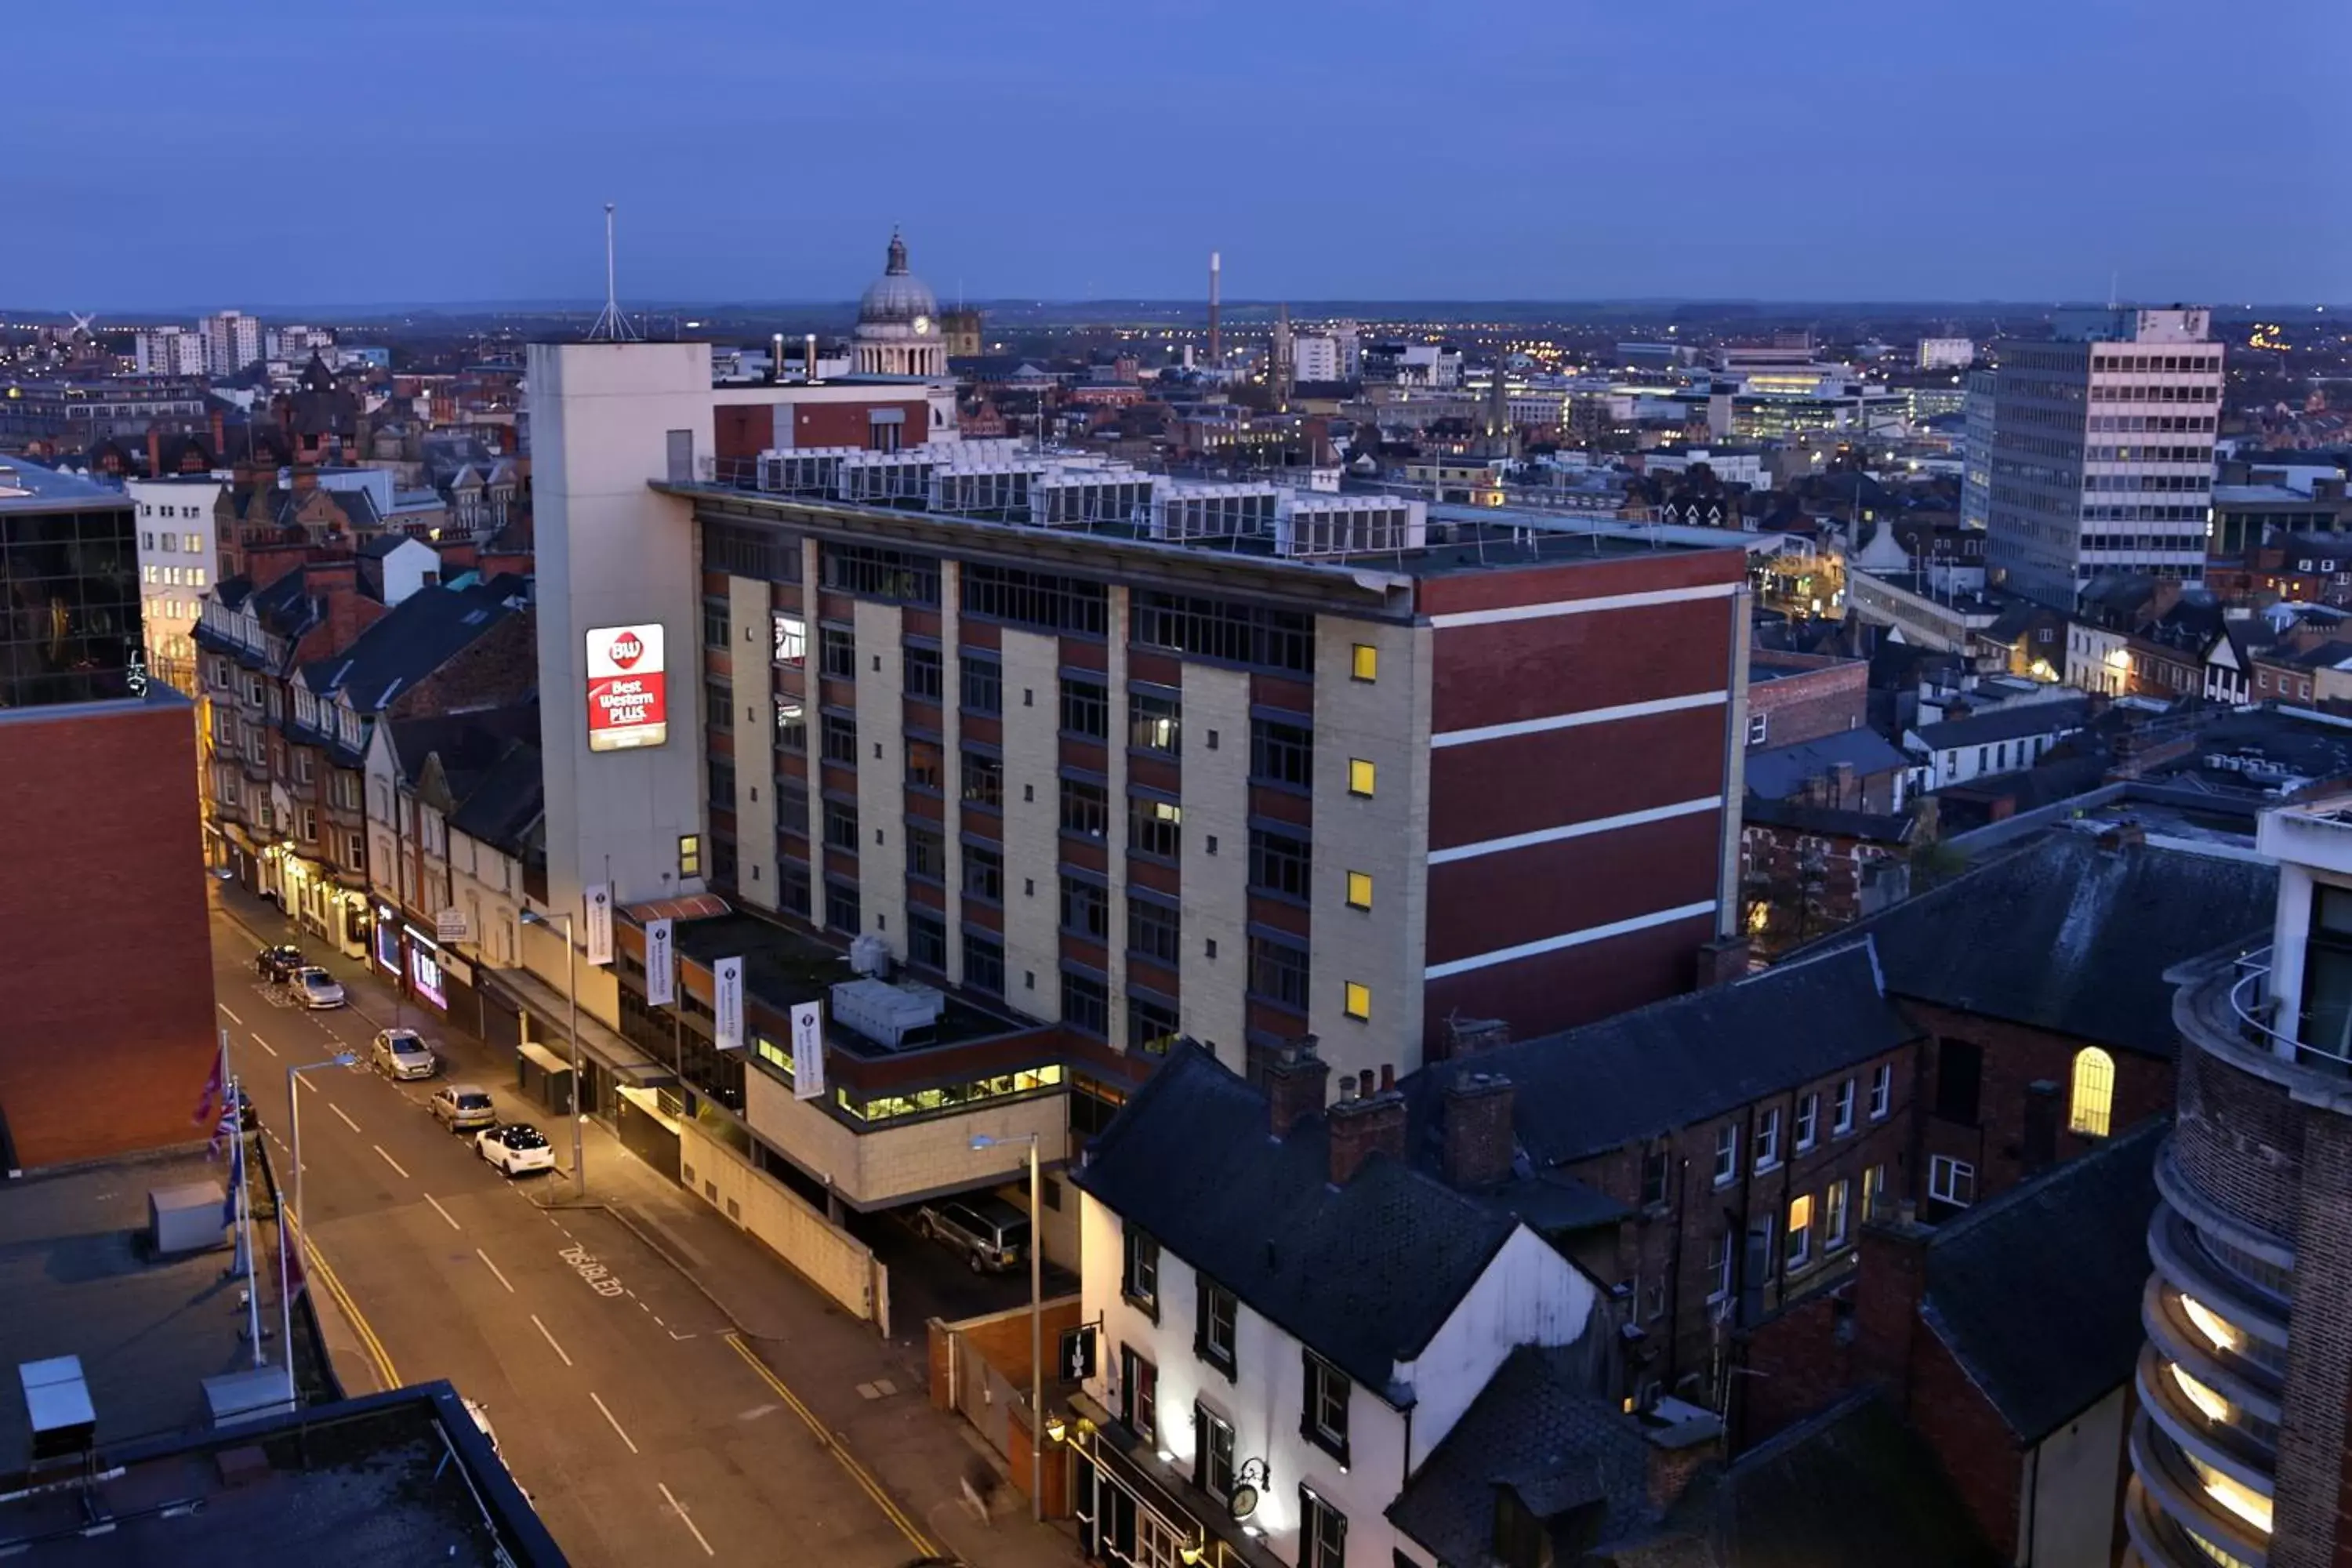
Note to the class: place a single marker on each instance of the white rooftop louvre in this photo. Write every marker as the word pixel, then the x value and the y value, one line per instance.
pixel 1078 497
pixel 803 470
pixel 887 479
pixel 1312 525
pixel 997 489
pixel 1183 512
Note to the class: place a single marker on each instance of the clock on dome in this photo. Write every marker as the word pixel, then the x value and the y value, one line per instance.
pixel 922 325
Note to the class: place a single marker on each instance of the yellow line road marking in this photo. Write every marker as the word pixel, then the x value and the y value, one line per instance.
pixel 857 1472
pixel 358 1320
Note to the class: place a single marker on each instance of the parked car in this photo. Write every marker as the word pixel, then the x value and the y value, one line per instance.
pixel 402 1054
pixel 317 988
pixel 277 964
pixel 516 1148
pixel 992 1233
pixel 463 1108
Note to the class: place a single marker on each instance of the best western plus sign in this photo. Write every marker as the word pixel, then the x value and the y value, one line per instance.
pixel 627 702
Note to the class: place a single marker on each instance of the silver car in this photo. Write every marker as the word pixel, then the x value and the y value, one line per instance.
pixel 463 1108
pixel 402 1054
pixel 317 988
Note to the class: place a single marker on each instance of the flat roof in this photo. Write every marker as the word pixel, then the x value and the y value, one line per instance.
pixel 29 487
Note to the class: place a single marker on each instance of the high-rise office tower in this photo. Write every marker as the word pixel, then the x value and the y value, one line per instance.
pixel 2102 451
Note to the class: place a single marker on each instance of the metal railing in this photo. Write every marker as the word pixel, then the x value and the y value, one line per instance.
pixel 2256 1009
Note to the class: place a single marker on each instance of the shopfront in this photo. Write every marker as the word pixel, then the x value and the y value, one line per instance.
pixel 428 976
pixel 385 945
pixel 1133 1510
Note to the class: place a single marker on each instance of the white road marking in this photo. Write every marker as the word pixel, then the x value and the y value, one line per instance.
pixel 301 1082
pixel 257 1040
pixel 614 1425
pixel 353 1126
pixel 232 1017
pixel 548 1338
pixel 680 1508
pixel 494 1269
pixel 389 1159
pixel 444 1214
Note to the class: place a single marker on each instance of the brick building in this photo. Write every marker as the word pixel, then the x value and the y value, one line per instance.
pixel 1794 697
pixel 108 1033
pixel 1809 866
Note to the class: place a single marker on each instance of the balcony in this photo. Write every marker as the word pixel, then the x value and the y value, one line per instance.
pixel 2172 1512
pixel 2225 1008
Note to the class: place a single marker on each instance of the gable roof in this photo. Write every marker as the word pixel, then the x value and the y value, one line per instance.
pixel 1687 1058
pixel 2074 1242
pixel 2008 722
pixel 415 638
pixel 1364 1275
pixel 2071 936
pixel 508 799
pixel 1776 772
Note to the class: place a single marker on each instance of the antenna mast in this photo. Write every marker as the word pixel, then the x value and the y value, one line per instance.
pixel 612 327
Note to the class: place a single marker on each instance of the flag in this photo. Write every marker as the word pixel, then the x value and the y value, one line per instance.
pixel 222 1130
pixel 236 1182
pixel 289 1260
pixel 212 1096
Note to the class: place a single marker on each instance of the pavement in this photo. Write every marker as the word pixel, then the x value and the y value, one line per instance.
pixel 662 1385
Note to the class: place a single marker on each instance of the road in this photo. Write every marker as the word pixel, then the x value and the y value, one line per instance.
pixel 641 1426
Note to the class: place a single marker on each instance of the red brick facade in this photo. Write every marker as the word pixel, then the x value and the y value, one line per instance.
pixel 1807 697
pixel 108 1033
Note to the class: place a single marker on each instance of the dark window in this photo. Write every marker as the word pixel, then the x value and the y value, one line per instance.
pixel 841 907
pixel 1323 1413
pixel 1086 708
pixel 2327 1022
pixel 927 939
pixel 840 737
pixel 872 573
pixel 1155 723
pixel 1212 1453
pixel 983 779
pixel 1653 1177
pixel 927 853
pixel 1213 1330
pixel 792 882
pixel 984 963
pixel 792 728
pixel 1138 1278
pixel 1960 1080
pixel 1037 599
pixel 837 652
pixel 718 706
pixel 923 765
pixel 1152 1027
pixel 1281 864
pixel 1322 1532
pixel 1139 1395
pixel 1154 827
pixel 840 825
pixel 1277 972
pixel 983 684
pixel 1085 1005
pixel 740 551
pixel 715 627
pixel 1085 908
pixel 923 672
pixel 1281 754
pixel 722 784
pixel 1086 809
pixel 1155 930
pixel 1215 628
pixel 983 872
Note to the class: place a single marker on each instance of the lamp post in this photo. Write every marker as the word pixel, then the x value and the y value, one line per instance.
pixel 292 1235
pixel 1036 1330
pixel 572 992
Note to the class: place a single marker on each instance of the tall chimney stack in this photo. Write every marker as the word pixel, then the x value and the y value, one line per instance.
pixel 1216 267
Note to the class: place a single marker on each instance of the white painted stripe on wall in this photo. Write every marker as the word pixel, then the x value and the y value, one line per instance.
pixel 1569 939
pixel 1578 720
pixel 1584 606
pixel 1575 830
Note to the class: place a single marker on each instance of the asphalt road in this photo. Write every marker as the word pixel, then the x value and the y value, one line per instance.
pixel 642 1430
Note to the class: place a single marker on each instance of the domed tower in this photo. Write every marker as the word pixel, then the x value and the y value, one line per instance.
pixel 898 324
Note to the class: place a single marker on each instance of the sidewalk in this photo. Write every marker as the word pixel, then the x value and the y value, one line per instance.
pixel 867 1394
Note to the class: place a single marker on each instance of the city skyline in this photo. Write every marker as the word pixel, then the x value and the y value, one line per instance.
pixel 1556 155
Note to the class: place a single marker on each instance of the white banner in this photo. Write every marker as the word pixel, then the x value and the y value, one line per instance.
pixel 727 1002
pixel 808 1050
pixel 599 897
pixel 451 925
pixel 661 966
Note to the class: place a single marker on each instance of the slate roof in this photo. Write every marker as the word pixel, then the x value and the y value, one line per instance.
pixel 1778 772
pixel 2068 936
pixel 509 798
pixel 1537 1429
pixel 2072 1243
pixel 1364 1275
pixel 1831 821
pixel 1684 1059
pixel 415 638
pixel 2007 722
pixel 468 745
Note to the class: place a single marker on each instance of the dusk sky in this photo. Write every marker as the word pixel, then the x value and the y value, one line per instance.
pixel 274 155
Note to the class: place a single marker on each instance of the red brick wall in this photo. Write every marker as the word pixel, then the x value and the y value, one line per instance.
pixel 1503 900
pixel 1520 784
pixel 1805 706
pixel 1572 986
pixel 849 424
pixel 1502 672
pixel 1978 1452
pixel 107 1033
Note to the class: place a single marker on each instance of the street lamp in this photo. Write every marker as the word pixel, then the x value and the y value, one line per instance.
pixel 1036 1328
pixel 290 1236
pixel 571 991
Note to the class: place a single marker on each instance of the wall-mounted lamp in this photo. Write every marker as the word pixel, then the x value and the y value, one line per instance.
pixel 1056 1428
pixel 1195 1547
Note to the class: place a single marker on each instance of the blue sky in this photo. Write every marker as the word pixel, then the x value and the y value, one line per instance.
pixel 271 154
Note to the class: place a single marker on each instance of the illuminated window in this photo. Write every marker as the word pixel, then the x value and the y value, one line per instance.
pixel 1359 776
pixel 1800 1233
pixel 2095 1092
pixel 1359 889
pixel 689 855
pixel 1365 664
pixel 2233 1494
pixel 2218 1330
pixel 2207 1399
pixel 1360 999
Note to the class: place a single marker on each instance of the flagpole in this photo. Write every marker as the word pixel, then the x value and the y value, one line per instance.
pixel 243 1178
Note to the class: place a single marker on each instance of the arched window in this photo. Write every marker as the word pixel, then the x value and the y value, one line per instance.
pixel 2095 1092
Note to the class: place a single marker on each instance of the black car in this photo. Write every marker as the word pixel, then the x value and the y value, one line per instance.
pixel 277 964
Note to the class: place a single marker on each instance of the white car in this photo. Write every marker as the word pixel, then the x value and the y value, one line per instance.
pixel 317 988
pixel 516 1148
pixel 402 1054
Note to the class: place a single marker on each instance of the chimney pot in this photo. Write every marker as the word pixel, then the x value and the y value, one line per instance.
pixel 1296 1084
pixel 1358 1128
pixel 1478 1140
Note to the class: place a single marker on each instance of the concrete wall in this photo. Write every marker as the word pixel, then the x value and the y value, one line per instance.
pixel 832 1260
pixel 1215 854
pixel 881 770
pixel 897 1163
pixel 1031 666
pixel 2072 1481
pixel 612 552
pixel 750 642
